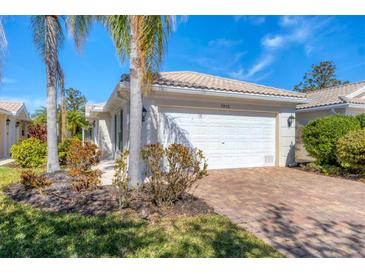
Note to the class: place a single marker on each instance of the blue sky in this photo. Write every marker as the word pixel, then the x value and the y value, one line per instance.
pixel 270 50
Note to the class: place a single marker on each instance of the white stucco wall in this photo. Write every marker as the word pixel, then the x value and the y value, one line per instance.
pixel 285 135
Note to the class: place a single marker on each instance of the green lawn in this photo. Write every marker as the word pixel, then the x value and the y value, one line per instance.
pixel 27 232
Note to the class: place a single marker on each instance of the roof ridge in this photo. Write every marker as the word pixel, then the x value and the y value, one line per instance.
pixel 230 79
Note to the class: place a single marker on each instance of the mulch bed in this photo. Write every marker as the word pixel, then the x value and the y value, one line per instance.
pixel 59 197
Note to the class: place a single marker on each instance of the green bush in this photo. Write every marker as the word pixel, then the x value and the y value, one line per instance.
pixel 30 153
pixel 351 151
pixel 320 136
pixel 361 118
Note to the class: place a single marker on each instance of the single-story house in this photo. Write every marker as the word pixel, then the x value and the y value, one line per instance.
pixel 236 124
pixel 346 99
pixel 14 122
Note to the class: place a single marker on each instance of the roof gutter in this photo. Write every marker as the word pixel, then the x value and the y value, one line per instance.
pixel 342 105
pixel 232 94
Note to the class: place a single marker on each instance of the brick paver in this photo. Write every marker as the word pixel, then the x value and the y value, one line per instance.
pixel 301 214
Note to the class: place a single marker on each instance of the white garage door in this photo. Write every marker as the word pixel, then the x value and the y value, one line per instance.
pixel 228 139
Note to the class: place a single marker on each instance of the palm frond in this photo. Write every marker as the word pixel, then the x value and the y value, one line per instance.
pixel 39 28
pixel 119 29
pixel 79 27
pixel 152 45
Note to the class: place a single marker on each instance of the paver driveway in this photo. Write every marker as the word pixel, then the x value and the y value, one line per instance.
pixel 300 213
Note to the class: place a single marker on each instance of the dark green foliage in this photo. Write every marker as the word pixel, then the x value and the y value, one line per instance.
pixel 320 136
pixel 351 151
pixel 75 100
pixel 30 153
pixel 321 76
pixel 361 118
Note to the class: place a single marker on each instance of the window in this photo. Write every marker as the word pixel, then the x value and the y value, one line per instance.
pixel 120 133
pixel 115 132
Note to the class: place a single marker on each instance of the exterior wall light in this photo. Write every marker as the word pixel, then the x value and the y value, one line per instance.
pixel 291 120
pixel 7 122
pixel 17 124
pixel 144 114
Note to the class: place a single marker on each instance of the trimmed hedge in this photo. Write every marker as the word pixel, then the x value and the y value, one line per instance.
pixel 351 151
pixel 320 136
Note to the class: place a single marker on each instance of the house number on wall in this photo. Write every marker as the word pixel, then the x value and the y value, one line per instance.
pixel 225 106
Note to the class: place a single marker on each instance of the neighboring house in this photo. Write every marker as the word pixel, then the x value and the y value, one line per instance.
pixel 347 99
pixel 236 124
pixel 14 122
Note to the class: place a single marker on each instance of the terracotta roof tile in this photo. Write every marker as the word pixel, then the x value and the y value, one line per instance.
pixel 333 95
pixel 189 79
pixel 12 107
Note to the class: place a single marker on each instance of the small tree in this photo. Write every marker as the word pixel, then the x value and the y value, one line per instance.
pixel 321 76
pixel 75 100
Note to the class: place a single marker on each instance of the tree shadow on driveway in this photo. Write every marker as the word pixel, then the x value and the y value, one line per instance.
pixel 307 236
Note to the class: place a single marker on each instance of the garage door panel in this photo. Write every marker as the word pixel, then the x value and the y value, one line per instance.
pixel 229 140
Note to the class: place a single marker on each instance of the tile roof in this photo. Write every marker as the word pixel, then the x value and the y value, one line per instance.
pixel 333 95
pixel 189 79
pixel 12 107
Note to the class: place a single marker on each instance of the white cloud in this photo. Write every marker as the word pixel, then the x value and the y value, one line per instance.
pixel 7 80
pixel 256 20
pixel 251 73
pixel 273 41
pixel 223 42
pixel 286 20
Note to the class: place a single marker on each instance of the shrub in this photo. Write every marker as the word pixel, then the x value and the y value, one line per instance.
pixel 320 136
pixel 361 118
pixel 30 153
pixel 85 179
pixel 351 151
pixel 82 155
pixel 80 158
pixel 63 150
pixel 38 131
pixel 31 179
pixel 185 166
pixel 121 179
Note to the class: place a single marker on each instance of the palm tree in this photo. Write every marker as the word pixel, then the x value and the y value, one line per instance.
pixel 40 116
pixel 143 38
pixel 48 37
pixel 3 45
pixel 63 118
pixel 76 120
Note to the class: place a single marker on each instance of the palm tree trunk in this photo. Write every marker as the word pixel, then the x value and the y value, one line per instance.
pixel 51 70
pixel 63 112
pixel 135 120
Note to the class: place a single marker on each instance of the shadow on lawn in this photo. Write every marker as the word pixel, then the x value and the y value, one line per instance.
pixel 26 232
pixel 306 236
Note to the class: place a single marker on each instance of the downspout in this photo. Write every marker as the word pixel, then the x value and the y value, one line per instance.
pixel 333 111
